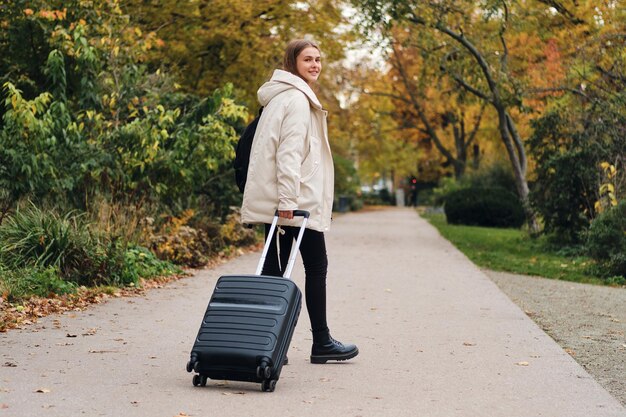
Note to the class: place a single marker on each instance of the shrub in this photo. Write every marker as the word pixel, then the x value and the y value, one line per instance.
pixel 175 241
pixel 235 233
pixel 42 239
pixel 497 174
pixel 491 207
pixel 606 241
pixel 20 284
pixel 139 263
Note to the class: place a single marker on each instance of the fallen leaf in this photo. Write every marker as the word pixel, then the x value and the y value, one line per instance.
pixel 91 332
pixel 10 365
pixel 571 352
pixel 181 414
pixel 469 344
pixel 324 380
pixel 522 363
pixel 43 390
pixel 71 335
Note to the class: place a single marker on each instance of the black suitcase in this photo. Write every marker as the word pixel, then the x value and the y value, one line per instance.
pixel 248 324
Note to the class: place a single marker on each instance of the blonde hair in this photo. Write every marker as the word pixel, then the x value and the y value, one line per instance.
pixel 292 51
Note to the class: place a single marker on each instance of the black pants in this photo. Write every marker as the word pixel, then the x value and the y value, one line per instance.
pixel 315 260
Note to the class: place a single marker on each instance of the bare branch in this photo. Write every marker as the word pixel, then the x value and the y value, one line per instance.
pixel 557 90
pixel 563 11
pixel 505 49
pixel 466 85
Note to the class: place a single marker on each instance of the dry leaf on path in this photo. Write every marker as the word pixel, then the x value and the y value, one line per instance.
pixel 522 363
pixel 43 390
pixel 91 331
pixel 469 344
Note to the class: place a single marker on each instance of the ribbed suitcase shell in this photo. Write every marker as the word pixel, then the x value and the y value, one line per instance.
pixel 248 323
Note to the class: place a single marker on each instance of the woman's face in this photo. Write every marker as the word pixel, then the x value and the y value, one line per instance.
pixel 309 64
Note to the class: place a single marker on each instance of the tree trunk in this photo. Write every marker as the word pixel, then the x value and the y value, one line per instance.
pixel 517 158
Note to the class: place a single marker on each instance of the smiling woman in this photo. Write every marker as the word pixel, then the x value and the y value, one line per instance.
pixel 303 58
pixel 309 64
pixel 291 168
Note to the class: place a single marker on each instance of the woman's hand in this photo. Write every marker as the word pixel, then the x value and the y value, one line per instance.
pixel 287 214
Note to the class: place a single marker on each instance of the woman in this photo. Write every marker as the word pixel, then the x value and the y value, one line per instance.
pixel 291 168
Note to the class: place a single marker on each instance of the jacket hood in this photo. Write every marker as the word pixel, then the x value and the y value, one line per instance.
pixel 282 81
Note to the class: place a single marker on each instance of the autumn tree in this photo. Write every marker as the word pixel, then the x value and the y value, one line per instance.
pixel 212 42
pixel 579 140
pixel 426 101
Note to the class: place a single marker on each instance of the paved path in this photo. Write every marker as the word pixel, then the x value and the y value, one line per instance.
pixel 437 338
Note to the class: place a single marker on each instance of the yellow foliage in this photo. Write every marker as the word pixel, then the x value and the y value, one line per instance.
pixel 607 189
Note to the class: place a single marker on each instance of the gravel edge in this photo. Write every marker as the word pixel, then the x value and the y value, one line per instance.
pixel 587 321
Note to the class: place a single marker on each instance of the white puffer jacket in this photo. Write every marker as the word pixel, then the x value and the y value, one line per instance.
pixel 291 165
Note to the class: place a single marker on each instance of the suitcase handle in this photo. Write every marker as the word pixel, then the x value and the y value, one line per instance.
pixel 294 250
pixel 298 213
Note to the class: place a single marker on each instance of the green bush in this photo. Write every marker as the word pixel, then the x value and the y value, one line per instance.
pixel 606 241
pixel 33 237
pixel 491 207
pixel 497 174
pixel 139 262
pixel 20 284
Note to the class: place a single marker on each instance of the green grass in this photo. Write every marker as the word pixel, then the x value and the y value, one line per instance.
pixel 512 250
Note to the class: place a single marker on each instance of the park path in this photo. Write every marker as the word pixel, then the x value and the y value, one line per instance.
pixel 436 338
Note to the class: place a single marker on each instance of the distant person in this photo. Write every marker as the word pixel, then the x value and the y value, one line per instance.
pixel 413 193
pixel 291 168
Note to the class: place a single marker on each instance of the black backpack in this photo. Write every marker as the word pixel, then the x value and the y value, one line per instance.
pixel 242 153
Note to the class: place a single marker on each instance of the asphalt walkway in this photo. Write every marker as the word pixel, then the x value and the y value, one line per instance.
pixel 436 336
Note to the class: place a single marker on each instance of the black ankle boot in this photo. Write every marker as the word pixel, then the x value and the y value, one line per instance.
pixel 326 348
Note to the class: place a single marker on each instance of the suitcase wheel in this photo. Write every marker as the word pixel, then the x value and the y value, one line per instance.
pixel 264 371
pixel 191 366
pixel 199 380
pixel 268 385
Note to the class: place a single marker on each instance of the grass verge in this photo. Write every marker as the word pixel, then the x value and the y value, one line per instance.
pixel 512 250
